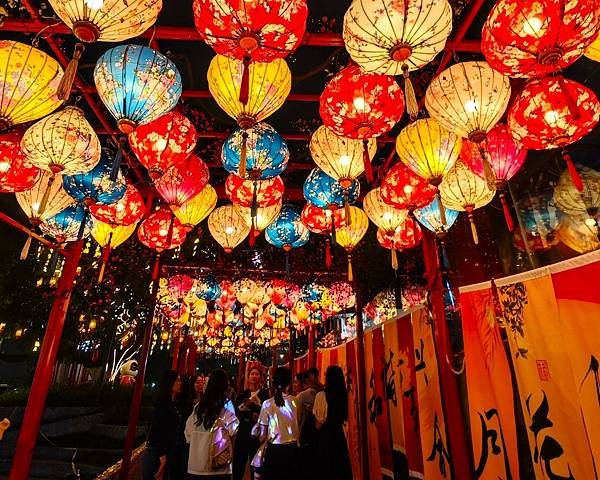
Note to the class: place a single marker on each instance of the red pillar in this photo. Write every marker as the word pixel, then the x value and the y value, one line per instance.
pixel 45 365
pixel 136 401
pixel 455 419
pixel 311 347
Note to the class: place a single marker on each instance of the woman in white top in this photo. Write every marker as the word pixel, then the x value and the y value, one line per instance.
pixel 213 405
pixel 278 422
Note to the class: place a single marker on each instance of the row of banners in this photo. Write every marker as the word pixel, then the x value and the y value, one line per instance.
pixel 532 350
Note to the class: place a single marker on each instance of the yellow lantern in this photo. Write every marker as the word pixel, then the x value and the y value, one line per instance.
pixel 339 157
pixel 579 234
pixel 63 142
pixel 269 86
pixel 352 233
pixel 584 203
pixel 262 219
pixel 30 79
pixel 593 51
pixel 381 214
pixel 109 237
pixel 228 227
pixel 46 191
pixel 192 212
pixel 463 190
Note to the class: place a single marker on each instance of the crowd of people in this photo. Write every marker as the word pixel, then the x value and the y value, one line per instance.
pixel 285 429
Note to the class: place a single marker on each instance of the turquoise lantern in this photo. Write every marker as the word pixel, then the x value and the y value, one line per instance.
pixel 257 153
pixel 69 224
pixel 287 231
pixel 136 84
pixel 325 192
pixel 96 187
pixel 208 289
pixel 431 218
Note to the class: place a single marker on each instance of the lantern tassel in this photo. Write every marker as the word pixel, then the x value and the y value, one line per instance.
pixel 114 172
pixel 46 196
pixel 412 107
pixel 441 208
pixel 488 172
pixel 367 161
pixel 473 229
pixel 507 216
pixel 25 250
pixel 243 154
pixel 66 82
pixel 328 259
pixel 394 259
pixel 348 218
pixel 350 272
pixel 573 171
pixel 245 85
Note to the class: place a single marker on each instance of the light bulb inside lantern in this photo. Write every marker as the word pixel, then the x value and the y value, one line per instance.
pixel 161 144
pixel 590 222
pixel 360 104
pixel 163 232
pixel 471 106
pixel 345 160
pixel 4 166
pixel 532 25
pixel 94 4
pixel 328 213
pixel 120 207
pixel 229 230
pixel 551 116
pixel 35 206
pixel 408 189
pixel 387 215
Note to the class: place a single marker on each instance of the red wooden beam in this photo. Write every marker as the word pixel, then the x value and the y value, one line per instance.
pixel 22 228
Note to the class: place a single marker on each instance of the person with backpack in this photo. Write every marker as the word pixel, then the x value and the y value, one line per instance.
pixel 210 430
pixel 278 424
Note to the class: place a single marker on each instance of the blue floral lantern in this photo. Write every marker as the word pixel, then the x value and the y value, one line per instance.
pixel 96 186
pixel 324 191
pixel 431 218
pixel 287 231
pixel 208 289
pixel 258 153
pixel 69 224
pixel 137 84
pixel 312 292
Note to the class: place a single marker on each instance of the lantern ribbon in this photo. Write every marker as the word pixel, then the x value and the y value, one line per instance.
pixel 243 154
pixel 412 107
pixel 44 201
pixel 573 171
pixel 507 216
pixel 367 161
pixel 25 250
pixel 488 172
pixel 66 82
pixel 245 85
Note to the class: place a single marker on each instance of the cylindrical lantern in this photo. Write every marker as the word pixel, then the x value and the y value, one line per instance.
pixel 227 227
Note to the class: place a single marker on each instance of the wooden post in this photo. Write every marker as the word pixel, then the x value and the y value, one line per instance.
pixel 312 360
pixel 43 372
pixel 136 401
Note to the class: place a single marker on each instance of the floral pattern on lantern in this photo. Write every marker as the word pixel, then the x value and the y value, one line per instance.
pixel 208 289
pixel 128 210
pixel 553 112
pixel 161 230
pixel 63 142
pixel 17 173
pixel 408 235
pixel 381 213
pixel 319 220
pixel 262 193
pixel 534 39
pixel 65 226
pixel 183 181
pixel 196 209
pixel 113 236
pixel 136 84
pixel 266 154
pixel 325 192
pixel 403 189
pixel 468 99
pixel 163 142
pixel 262 218
pixel 29 83
pixel 227 227
pixel 287 231
pixel 31 200
pixel 576 234
pixel 584 203
pixel 96 186
pixel 431 218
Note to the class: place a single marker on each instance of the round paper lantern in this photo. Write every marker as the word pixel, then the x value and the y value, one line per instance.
pixel 321 220
pixel 393 38
pixel 584 203
pixel 164 142
pixel 261 193
pixel 407 235
pixel 47 193
pixel 66 225
pixel 129 209
pixel 431 218
pixel 63 142
pixel 534 39
pixel 96 186
pixel 343 295
pixel 325 192
pixel 593 50
pixel 30 80
pixel 17 173
pixel 180 286
pixel 541 219
pixel 136 84
pixel 269 84
pixel 403 189
pixel 208 289
pixel 382 214
pixel 339 157
pixel 578 234
pixel 287 231
pixel 349 235
pixel 227 227
pixel 361 105
pixel 463 190
pixel 256 153
pixel 244 289
pixel 161 230
pixel 262 218
pixel 468 99
pixel 109 237
pixel 196 209
pixel 107 20
pixel 183 181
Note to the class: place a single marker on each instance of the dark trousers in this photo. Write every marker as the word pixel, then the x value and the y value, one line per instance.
pixel 281 462
pixel 243 453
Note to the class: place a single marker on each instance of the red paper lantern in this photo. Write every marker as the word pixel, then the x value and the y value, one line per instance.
pixel 403 189
pixel 164 142
pixel 179 286
pixel 17 174
pixel 361 105
pixel 408 235
pixel 242 192
pixel 318 220
pixel 161 231
pixel 183 181
pixel 534 38
pixel 126 211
